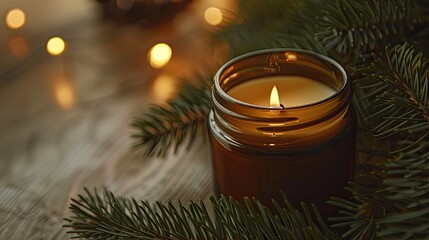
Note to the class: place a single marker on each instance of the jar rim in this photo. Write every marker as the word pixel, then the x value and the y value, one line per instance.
pixel 316 55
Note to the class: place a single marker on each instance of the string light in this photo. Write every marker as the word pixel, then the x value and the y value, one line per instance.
pixel 18 47
pixel 164 87
pixel 159 55
pixel 55 46
pixel 213 16
pixel 15 18
pixel 64 93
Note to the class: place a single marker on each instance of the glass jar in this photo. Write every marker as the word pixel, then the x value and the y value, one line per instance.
pixel 307 151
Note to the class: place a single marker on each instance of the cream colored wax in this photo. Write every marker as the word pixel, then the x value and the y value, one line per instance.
pixel 293 91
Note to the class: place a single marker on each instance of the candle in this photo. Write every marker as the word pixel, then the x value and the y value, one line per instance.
pixel 281 119
pixel 294 91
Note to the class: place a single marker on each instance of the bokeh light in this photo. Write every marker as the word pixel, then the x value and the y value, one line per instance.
pixel 159 55
pixel 18 47
pixel 15 18
pixel 125 4
pixel 64 93
pixel 164 87
pixel 213 16
pixel 55 46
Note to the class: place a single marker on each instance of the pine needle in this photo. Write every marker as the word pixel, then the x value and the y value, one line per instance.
pixel 102 215
pixel 162 128
pixel 361 26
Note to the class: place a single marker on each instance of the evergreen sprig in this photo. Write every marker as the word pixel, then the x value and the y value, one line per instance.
pixel 396 93
pixel 102 215
pixel 306 41
pixel 390 196
pixel 398 208
pixel 396 106
pixel 361 26
pixel 161 128
pixel 253 24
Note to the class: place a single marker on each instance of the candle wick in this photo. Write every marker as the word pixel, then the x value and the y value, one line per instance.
pixel 281 105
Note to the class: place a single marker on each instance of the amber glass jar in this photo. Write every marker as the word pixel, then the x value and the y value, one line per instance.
pixel 307 151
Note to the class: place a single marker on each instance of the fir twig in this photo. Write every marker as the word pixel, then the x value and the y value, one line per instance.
pixel 396 106
pixel 361 26
pixel 254 28
pixel 306 41
pixel 398 208
pixel 397 93
pixel 102 215
pixel 392 98
pixel 161 128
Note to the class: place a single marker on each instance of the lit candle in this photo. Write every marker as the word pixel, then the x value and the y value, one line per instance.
pixel 294 91
pixel 282 119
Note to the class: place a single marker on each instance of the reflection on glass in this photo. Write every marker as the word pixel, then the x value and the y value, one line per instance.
pixel 15 18
pixel 55 46
pixel 18 47
pixel 213 16
pixel 164 87
pixel 159 55
pixel 64 93
pixel 291 57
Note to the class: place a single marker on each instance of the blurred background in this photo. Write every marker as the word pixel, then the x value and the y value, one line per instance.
pixel 73 75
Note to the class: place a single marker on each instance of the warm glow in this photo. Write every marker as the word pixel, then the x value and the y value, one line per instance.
pixel 213 16
pixel 274 98
pixel 125 4
pixel 55 46
pixel 18 47
pixel 15 18
pixel 159 55
pixel 164 87
pixel 64 94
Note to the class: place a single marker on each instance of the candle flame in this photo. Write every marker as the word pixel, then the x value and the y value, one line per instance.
pixel 274 98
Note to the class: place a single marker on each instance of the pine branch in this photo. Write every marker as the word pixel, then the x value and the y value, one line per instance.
pixel 391 97
pixel 360 26
pixel 306 41
pixel 396 106
pixel 258 24
pixel 102 215
pixel 161 128
pixel 397 93
pixel 407 185
pixel 398 208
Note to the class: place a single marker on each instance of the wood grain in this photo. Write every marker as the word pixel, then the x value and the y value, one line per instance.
pixel 65 122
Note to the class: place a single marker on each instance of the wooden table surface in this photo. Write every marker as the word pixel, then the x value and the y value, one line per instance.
pixel 65 121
